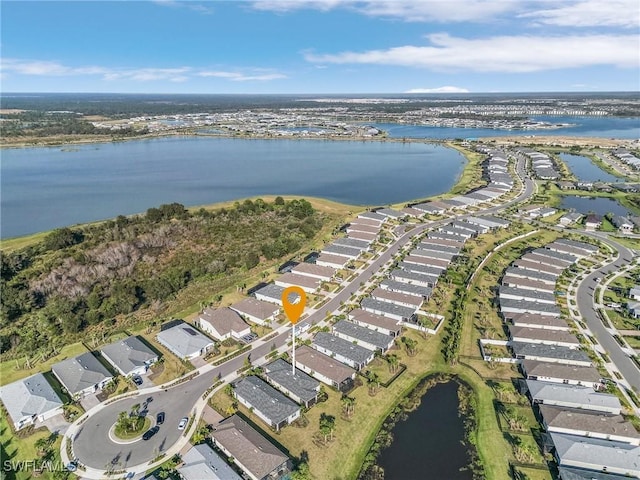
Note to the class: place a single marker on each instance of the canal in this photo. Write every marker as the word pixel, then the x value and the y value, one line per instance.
pixel 428 443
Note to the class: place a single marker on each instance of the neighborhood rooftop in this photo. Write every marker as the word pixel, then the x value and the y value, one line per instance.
pixel 128 354
pixel 28 397
pixel 363 334
pixel 300 384
pixel 248 447
pixel 342 347
pixel 80 373
pixel 266 399
pixel 323 364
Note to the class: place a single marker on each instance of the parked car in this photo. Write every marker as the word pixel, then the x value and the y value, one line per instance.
pixel 150 433
pixel 160 418
pixel 137 379
pixel 183 423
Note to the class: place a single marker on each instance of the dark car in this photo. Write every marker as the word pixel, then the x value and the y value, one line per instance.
pixel 150 433
pixel 160 418
pixel 137 380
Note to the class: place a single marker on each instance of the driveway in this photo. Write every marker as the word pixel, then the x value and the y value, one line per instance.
pixel 89 401
pixel 56 424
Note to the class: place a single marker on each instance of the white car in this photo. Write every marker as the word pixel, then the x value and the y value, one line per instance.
pixel 183 423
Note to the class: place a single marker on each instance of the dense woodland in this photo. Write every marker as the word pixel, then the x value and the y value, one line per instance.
pixel 42 124
pixel 76 278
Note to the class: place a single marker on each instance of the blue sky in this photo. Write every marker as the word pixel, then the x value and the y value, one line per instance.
pixel 320 46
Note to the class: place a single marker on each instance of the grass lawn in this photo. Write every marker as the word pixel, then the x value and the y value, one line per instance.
pixel 535 473
pixel 16 449
pixel 169 367
pixel 634 342
pixel 622 322
pixel 12 370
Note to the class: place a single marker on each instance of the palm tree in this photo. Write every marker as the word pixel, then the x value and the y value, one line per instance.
pixel 373 381
pixel 348 405
pixel 228 389
pixel 393 361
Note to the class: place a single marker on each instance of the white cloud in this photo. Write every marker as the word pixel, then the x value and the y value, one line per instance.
pixel 196 7
pixel 241 77
pixel 407 10
pixel 500 54
pixel 444 89
pixel 590 13
pixel 178 74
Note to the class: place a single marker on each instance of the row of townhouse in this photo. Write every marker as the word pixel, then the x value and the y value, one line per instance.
pixel 542 165
pixel 627 157
pixel 585 429
pixel 34 399
pixel 499 183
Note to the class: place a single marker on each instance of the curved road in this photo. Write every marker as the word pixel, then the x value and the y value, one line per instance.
pixel 585 301
pixel 92 445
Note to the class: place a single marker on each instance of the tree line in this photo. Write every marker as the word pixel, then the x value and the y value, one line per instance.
pixel 76 278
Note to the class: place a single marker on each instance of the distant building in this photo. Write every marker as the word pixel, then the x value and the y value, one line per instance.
pixel 593 222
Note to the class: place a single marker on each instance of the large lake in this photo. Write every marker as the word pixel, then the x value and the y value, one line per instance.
pixel 44 188
pixel 428 444
pixel 602 127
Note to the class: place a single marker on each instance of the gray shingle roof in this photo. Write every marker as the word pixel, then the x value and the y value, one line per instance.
pixel 438 247
pixel 341 250
pixel 30 396
pixel 549 351
pixel 279 372
pixel 586 451
pixel 81 372
pixel 528 306
pixel 128 354
pixel 527 293
pixel 418 268
pixel 588 421
pixel 581 245
pixel 386 307
pixel 263 397
pixel 414 276
pixel 224 320
pixel 342 347
pixel 403 287
pixel 184 340
pixel 201 462
pixel 363 334
pixel 573 473
pixel 553 254
pixel 374 320
pixel 573 394
pixel 250 448
pixel 534 274
pixel 559 370
pixel 352 243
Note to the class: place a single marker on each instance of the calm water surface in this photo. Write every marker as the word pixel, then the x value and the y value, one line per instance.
pixel 585 170
pixel 427 446
pixel 599 205
pixel 44 188
pixel 603 127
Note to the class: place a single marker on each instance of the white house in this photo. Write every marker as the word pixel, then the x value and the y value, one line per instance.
pixel 30 400
pixel 222 323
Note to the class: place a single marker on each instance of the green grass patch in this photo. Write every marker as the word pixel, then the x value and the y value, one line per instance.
pixel 138 427
pixel 12 370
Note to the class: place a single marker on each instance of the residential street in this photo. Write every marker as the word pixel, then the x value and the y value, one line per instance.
pixel 92 445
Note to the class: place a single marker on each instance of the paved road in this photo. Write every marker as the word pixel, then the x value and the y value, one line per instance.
pixel 92 445
pixel 585 299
